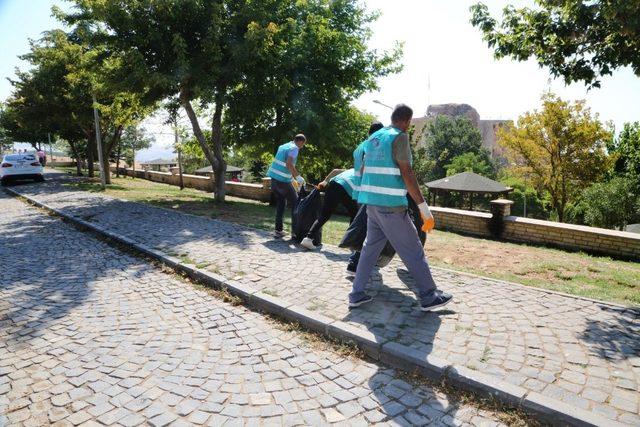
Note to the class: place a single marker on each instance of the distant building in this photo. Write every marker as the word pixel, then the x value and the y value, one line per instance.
pixel 159 165
pixel 231 172
pixel 488 127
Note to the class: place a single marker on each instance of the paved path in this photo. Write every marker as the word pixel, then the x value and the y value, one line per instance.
pixel 569 349
pixel 90 334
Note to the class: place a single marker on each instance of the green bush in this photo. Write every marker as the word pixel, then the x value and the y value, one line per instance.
pixel 611 204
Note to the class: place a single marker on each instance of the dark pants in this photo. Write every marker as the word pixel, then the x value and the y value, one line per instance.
pixel 284 193
pixel 334 195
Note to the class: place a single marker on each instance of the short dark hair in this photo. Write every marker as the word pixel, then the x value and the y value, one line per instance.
pixel 299 137
pixel 401 113
pixel 375 127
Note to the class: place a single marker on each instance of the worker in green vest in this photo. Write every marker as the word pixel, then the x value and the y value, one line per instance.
pixel 340 188
pixel 283 174
pixel 387 177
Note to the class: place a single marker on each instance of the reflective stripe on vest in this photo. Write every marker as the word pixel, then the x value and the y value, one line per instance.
pixel 278 169
pixel 381 183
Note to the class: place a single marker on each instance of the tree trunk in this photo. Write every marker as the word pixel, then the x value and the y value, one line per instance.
pixel 118 159
pixel 105 166
pixel 107 148
pixel 216 135
pixel 90 147
pixel 197 132
pixel 76 155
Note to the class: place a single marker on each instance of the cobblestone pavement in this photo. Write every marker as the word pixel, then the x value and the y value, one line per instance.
pixel 90 334
pixel 573 350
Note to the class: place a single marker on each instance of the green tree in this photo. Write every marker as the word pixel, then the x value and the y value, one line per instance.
pixel 133 139
pixel 449 137
pixel 627 149
pixel 612 204
pixel 471 162
pixel 56 94
pixel 275 66
pixel 561 148
pixel 577 39
pixel 537 204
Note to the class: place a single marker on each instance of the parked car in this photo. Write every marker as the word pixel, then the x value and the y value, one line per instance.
pixel 20 166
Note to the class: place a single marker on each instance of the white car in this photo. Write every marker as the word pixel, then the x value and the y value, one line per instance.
pixel 20 166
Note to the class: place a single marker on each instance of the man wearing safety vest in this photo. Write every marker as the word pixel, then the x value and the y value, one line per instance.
pixel 387 176
pixel 283 174
pixel 340 187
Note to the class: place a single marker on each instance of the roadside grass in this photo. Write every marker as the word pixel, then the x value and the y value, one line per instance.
pixel 576 273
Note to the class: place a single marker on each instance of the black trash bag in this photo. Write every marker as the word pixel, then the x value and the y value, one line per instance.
pixel 306 212
pixel 354 236
pixel 357 232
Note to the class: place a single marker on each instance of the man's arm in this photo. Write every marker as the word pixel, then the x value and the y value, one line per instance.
pixel 292 167
pixel 410 180
pixel 333 173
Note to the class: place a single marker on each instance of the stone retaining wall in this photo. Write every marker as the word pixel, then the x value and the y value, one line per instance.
pixel 591 239
pixel 458 220
pixel 619 244
pixel 245 190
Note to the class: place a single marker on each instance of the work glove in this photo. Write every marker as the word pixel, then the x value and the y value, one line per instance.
pixel 300 181
pixel 428 223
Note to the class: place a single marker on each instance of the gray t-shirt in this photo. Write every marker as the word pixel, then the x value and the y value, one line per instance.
pixel 401 149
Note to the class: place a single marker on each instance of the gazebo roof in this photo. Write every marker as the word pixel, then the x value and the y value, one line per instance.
pixel 468 182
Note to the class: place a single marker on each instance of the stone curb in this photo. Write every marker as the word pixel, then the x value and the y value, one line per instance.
pixel 391 353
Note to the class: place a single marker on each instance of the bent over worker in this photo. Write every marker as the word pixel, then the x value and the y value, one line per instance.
pixel 387 176
pixel 340 187
pixel 283 173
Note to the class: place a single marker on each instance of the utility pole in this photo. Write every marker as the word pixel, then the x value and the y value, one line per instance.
pixel 133 151
pixel 96 118
pixel 175 134
pixel 50 147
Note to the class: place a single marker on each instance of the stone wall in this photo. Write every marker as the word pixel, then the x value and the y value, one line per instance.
pixel 569 236
pixel 462 221
pixel 245 190
pixel 620 244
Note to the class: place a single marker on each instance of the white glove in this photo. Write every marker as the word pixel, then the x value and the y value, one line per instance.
pixel 424 210
pixel 300 180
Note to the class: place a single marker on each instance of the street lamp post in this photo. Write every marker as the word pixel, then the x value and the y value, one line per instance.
pixel 382 103
pixel 103 177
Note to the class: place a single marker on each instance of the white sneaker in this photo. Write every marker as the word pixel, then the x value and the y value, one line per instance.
pixel 307 243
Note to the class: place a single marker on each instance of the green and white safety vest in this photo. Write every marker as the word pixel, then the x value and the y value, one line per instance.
pixel 347 180
pixel 278 169
pixel 382 183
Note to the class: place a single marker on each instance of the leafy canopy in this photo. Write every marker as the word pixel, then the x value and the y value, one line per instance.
pixel 560 148
pixel 579 40
pixel 471 162
pixel 627 149
pixel 612 204
pixel 270 68
pixel 450 137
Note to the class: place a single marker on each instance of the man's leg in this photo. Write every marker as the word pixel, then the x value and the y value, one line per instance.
pixel 280 203
pixel 373 244
pixel 403 235
pixel 291 196
pixel 332 197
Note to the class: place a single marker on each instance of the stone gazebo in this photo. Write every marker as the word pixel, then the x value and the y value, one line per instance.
pixel 466 183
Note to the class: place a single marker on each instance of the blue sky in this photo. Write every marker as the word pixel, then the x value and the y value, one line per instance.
pixel 440 46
